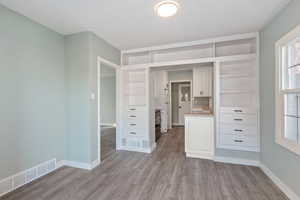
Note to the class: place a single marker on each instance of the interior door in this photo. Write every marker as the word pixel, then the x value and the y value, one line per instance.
pixel 184 103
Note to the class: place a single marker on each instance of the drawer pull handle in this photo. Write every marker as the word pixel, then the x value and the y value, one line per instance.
pixel 133 133
pixel 132 124
pixel 238 130
pixel 132 109
pixel 239 141
pixel 239 111
pixel 238 120
pixel 132 116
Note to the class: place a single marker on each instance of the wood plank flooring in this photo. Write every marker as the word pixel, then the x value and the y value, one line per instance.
pixel 164 175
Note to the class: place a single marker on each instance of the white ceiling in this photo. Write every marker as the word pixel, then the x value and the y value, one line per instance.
pixel 128 24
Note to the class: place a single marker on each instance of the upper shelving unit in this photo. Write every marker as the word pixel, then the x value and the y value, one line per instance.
pixel 237 47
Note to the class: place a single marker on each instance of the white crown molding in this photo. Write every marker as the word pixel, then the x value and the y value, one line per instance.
pixel 80 165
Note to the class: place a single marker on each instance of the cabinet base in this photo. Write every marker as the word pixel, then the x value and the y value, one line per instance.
pixel 201 155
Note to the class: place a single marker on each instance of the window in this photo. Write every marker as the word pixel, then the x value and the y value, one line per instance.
pixel 288 91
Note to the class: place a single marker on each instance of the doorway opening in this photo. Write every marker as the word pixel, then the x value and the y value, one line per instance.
pixel 180 101
pixel 107 108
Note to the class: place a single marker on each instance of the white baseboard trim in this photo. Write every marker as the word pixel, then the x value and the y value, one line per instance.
pixel 200 154
pixel 284 188
pixel 237 161
pixel 95 163
pixel 153 147
pixel 60 164
pixel 80 165
pixel 141 150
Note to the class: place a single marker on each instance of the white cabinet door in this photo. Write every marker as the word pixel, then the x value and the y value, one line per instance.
pixel 199 137
pixel 202 81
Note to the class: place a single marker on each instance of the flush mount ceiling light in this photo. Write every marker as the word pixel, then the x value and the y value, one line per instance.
pixel 166 8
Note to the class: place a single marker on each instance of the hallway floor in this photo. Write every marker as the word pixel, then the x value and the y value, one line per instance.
pixel 166 174
pixel 108 142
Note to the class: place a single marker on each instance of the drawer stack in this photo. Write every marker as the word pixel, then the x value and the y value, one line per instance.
pixel 238 129
pixel 237 113
pixel 135 119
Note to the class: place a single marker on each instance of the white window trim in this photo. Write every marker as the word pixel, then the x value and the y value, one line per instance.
pixel 279 93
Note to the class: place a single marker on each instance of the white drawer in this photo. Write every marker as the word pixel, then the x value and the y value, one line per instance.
pixel 232 140
pixel 136 133
pixel 136 109
pixel 137 113
pixel 134 125
pixel 237 110
pixel 238 118
pixel 237 129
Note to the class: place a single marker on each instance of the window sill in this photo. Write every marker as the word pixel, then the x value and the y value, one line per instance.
pixel 291 146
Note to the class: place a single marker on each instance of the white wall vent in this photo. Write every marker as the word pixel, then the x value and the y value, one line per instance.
pixel 145 144
pixel 134 143
pixel 19 180
pixel 6 186
pixel 13 182
pixel 51 165
pixel 42 169
pixel 31 174
pixel 124 142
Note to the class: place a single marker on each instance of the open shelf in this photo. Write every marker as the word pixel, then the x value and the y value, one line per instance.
pixel 241 48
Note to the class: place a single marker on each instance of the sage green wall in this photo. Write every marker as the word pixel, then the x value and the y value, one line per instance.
pixel 77 56
pixel 45 83
pixel 82 50
pixel 108 95
pixel 32 103
pixel 282 162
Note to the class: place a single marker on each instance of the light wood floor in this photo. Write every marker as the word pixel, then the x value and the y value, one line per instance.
pixel 164 175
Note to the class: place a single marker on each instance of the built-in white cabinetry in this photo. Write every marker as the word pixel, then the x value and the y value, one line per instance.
pixel 231 86
pixel 199 136
pixel 202 51
pixel 135 111
pixel 238 105
pixel 202 81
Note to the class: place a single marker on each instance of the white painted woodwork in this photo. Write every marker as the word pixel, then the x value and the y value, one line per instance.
pixel 194 52
pixel 135 111
pixel 199 136
pixel 238 118
pixel 238 141
pixel 235 82
pixel 202 81
pixel 237 104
